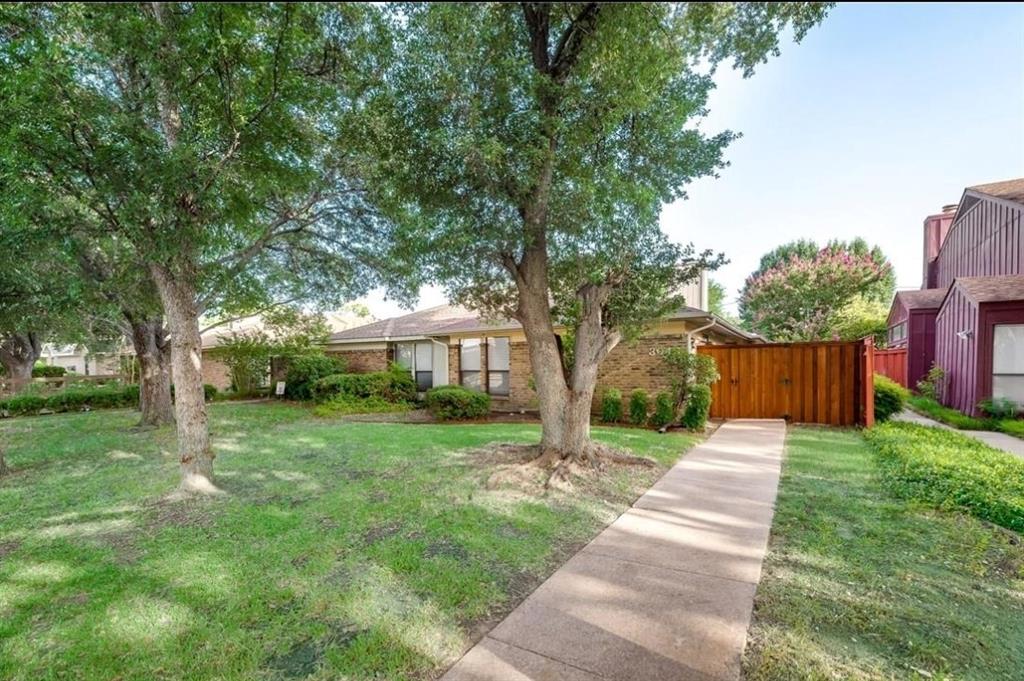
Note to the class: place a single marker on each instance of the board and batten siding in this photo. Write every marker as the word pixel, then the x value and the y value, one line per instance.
pixel 986 241
pixel 958 356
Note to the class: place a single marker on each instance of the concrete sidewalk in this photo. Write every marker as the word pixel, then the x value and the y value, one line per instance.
pixel 666 591
pixel 1007 443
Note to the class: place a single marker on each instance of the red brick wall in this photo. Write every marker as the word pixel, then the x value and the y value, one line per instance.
pixel 363 361
pixel 215 372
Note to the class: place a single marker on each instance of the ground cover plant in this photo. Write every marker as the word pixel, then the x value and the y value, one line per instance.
pixel 949 470
pixel 861 585
pixel 951 417
pixel 339 550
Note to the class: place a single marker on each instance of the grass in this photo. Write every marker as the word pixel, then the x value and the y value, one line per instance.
pixel 863 586
pixel 941 467
pixel 957 419
pixel 340 551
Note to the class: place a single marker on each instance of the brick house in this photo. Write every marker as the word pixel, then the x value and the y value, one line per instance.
pixel 450 345
pixel 968 316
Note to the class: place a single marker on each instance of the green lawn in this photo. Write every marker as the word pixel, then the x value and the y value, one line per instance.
pixel 340 551
pixel 859 585
pixel 951 417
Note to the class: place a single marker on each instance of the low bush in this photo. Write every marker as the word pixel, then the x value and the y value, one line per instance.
pixel 639 405
pixel 932 384
pixel 453 402
pixel 664 410
pixel 890 398
pixel 46 371
pixel 390 386
pixel 611 406
pixel 947 415
pixel 951 471
pixel 698 406
pixel 998 408
pixel 305 370
pixel 343 404
pixel 209 392
pixel 75 398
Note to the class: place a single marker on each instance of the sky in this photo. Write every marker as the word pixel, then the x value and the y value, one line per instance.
pixel 882 115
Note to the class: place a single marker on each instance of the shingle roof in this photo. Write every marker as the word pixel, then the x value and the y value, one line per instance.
pixel 446 319
pixel 1011 190
pixel 923 299
pixel 992 289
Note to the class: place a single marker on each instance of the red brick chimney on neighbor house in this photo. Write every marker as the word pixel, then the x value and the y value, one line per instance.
pixel 936 227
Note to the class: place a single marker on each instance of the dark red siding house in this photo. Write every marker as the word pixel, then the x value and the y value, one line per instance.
pixel 912 326
pixel 969 315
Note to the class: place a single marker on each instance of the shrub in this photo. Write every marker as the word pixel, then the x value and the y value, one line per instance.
pixel 611 406
pixel 453 402
pixel 951 471
pixel 932 384
pixel 74 398
pixel 664 410
pixel 390 386
pixel 890 397
pixel 998 408
pixel 698 406
pixel 343 404
pixel 209 392
pixel 639 405
pixel 306 370
pixel 46 371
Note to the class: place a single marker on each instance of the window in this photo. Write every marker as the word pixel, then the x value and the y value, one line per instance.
pixel 898 332
pixel 497 366
pixel 418 358
pixel 424 366
pixel 469 363
pixel 1008 362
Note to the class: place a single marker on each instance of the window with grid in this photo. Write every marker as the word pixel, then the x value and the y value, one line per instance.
pixel 1008 362
pixel 498 366
pixel 469 364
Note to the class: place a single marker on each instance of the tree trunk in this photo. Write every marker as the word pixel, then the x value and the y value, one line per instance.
pixel 153 350
pixel 195 453
pixel 19 352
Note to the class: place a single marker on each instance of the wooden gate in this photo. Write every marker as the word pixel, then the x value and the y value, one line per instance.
pixel 802 382
pixel 893 364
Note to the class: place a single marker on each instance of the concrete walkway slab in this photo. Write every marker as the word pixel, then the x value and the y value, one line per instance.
pixel 666 591
pixel 1007 443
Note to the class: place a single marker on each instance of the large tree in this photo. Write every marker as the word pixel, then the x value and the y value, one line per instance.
pixel 211 139
pixel 530 148
pixel 834 293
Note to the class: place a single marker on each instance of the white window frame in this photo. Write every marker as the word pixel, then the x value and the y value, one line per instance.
pixel 996 372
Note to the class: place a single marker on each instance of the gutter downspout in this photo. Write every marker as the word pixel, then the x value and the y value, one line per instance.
pixel 690 349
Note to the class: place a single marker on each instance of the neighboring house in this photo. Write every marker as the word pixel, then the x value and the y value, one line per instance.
pixel 79 360
pixel 216 373
pixel 450 345
pixel 969 315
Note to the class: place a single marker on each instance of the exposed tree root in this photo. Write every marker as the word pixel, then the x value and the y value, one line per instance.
pixel 594 457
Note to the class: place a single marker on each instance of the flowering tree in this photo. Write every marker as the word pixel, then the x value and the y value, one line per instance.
pixel 803 298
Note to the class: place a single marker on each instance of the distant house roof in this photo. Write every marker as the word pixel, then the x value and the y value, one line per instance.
pixel 921 300
pixel 336 321
pixel 992 289
pixel 1010 190
pixel 447 319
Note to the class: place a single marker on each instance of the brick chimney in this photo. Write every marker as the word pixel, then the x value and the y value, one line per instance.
pixel 936 227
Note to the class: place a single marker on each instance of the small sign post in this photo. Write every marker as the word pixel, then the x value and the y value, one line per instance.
pixel 279 389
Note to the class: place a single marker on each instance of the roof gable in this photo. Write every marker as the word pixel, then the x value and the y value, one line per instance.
pixel 992 289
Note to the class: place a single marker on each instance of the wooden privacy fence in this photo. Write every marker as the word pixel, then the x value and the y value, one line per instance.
pixel 893 364
pixel 827 383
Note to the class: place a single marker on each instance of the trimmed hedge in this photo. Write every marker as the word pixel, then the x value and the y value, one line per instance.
pixel 47 371
pixel 951 471
pixel 74 398
pixel 611 406
pixel 390 386
pixel 639 405
pixel 698 406
pixel 890 397
pixel 453 402
pixel 664 410
pixel 304 372
pixel 343 404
